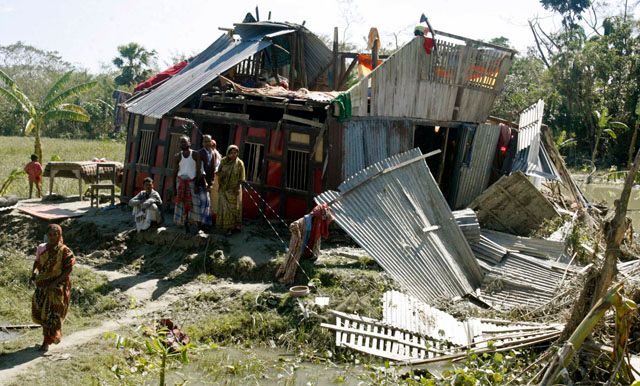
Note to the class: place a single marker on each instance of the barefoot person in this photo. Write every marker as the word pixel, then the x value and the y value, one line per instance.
pixel 51 275
pixel 187 172
pixel 231 175
pixel 34 172
pixel 146 206
pixel 210 160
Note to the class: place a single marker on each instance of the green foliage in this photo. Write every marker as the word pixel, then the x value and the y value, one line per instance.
pixel 571 10
pixel 134 62
pixel 149 353
pixel 17 150
pixel 52 107
pixel 524 85
pixel 6 184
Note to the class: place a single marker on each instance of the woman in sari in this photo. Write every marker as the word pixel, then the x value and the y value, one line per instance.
pixel 230 176
pixel 51 275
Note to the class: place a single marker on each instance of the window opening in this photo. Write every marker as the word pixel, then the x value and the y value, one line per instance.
pixel 253 156
pixel 297 169
pixel 146 141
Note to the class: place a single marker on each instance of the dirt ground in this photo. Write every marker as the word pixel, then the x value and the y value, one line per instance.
pixel 208 284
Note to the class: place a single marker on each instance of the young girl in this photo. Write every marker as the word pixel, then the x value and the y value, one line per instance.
pixel 34 171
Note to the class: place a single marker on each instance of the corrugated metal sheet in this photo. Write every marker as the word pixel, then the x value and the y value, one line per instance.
pixel 546 249
pixel 524 281
pixel 406 313
pixel 414 332
pixel 412 83
pixel 468 223
pixel 222 55
pixel 410 314
pixel 531 157
pixel 367 141
pixel 317 56
pixel 475 171
pixel 396 212
pixel 487 250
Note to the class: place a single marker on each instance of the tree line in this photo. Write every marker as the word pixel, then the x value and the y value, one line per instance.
pixel 41 93
pixel 588 72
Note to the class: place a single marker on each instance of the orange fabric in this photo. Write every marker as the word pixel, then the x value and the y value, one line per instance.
pixel 50 302
pixel 321 219
pixel 34 171
pixel 365 60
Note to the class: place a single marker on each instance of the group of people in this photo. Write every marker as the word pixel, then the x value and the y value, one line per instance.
pixel 207 190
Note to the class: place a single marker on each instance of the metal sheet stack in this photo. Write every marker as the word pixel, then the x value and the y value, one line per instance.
pixel 468 223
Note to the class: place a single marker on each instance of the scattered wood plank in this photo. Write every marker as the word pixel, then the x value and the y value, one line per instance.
pixel 308 122
pixel 214 114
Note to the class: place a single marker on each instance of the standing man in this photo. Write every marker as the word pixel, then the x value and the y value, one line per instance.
pixel 187 170
pixel 210 158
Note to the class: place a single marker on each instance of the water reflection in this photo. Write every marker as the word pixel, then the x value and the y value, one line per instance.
pixel 607 193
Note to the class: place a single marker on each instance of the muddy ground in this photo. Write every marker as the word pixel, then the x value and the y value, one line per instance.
pixel 245 328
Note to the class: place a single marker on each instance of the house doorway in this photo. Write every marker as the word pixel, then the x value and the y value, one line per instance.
pixel 430 138
pixel 220 133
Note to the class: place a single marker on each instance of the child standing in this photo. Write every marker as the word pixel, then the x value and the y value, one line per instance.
pixel 34 171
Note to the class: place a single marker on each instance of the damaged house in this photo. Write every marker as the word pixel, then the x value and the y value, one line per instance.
pixel 392 155
pixel 297 139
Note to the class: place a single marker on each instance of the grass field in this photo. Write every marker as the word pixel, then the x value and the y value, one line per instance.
pixel 15 153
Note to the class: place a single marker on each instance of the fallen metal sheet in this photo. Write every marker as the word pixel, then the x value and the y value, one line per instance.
pixel 546 249
pixel 487 250
pixel 532 157
pixel 50 212
pixel 468 223
pixel 412 331
pixel 513 205
pixel 396 212
pixel 410 314
pixel 524 281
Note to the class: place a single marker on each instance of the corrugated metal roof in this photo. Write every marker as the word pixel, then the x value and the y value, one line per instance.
pixel 222 55
pixel 396 212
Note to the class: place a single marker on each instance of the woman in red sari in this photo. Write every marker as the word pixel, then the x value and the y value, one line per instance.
pixel 51 274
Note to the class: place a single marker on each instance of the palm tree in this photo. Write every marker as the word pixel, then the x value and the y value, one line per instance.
pixel 52 107
pixel 133 61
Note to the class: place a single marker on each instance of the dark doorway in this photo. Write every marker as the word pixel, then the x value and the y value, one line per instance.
pixel 430 138
pixel 220 133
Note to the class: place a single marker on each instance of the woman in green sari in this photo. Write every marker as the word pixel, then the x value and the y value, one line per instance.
pixel 231 175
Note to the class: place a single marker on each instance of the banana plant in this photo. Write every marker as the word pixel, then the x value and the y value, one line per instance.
pixel 605 126
pixel 52 107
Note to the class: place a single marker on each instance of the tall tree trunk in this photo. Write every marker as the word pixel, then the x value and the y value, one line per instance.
pixel 37 147
pixel 632 146
pixel 596 284
pixel 594 154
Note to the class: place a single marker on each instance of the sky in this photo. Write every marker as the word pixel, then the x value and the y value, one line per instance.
pixel 88 32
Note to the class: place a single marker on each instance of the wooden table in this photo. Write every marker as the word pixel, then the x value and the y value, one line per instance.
pixel 65 168
pixel 83 171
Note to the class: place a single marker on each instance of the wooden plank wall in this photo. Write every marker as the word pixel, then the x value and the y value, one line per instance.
pixel 414 84
pixel 513 205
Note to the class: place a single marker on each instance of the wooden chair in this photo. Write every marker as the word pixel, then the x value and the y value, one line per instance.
pixel 104 171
